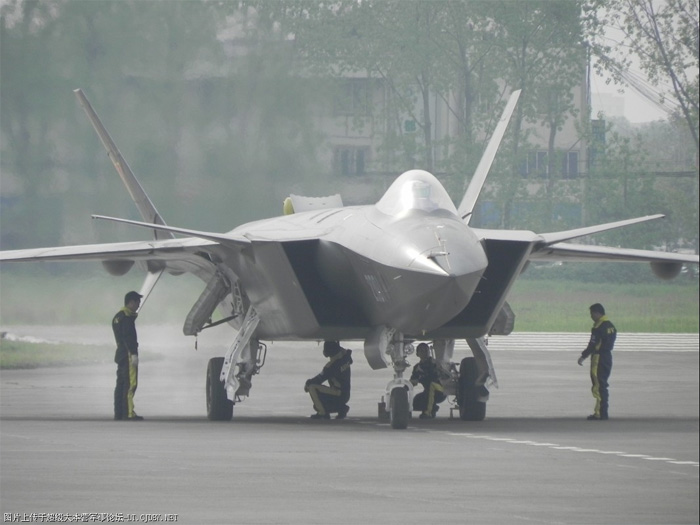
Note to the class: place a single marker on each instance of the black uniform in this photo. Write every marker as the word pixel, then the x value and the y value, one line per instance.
pixel 124 327
pixel 427 373
pixel 600 349
pixel 334 397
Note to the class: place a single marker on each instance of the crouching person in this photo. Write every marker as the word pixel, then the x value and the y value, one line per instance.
pixel 426 373
pixel 333 397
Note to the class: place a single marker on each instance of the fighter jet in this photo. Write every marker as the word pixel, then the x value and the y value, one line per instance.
pixel 408 268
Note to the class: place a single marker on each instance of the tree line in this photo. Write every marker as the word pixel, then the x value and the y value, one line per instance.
pixel 213 105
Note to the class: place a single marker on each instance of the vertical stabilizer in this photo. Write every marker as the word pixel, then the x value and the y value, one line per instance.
pixel 143 203
pixel 466 207
pixel 138 195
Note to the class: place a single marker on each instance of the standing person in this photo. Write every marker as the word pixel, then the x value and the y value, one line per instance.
pixel 600 349
pixel 335 396
pixel 126 357
pixel 427 374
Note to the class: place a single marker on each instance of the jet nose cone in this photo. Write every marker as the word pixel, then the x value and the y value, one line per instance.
pixel 450 246
pixel 430 301
pixel 445 274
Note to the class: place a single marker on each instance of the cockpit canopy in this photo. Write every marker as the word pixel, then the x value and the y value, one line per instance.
pixel 415 190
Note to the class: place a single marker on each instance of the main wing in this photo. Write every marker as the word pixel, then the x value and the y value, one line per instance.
pixel 199 250
pixel 585 253
pixel 174 255
pixel 552 246
pixel 665 265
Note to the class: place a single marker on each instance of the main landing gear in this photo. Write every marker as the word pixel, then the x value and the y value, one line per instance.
pixel 470 396
pixel 229 378
pixel 474 374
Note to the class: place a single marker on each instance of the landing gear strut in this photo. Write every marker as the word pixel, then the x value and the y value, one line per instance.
pixel 229 378
pixel 396 402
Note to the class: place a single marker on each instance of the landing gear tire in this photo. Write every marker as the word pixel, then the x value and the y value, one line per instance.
pixel 219 408
pixel 470 408
pixel 399 411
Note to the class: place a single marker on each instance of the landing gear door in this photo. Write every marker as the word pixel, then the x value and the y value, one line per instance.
pixel 377 346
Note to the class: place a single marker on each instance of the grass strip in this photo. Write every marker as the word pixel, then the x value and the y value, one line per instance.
pixel 562 306
pixel 21 355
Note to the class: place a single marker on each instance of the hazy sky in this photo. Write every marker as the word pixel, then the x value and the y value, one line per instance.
pixel 636 108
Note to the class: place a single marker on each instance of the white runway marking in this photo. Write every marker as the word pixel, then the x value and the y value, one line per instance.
pixel 575 342
pixel 555 446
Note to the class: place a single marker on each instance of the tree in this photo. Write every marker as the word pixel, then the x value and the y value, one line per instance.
pixel 192 118
pixel 540 46
pixel 379 40
pixel 27 83
pixel 418 50
pixel 661 37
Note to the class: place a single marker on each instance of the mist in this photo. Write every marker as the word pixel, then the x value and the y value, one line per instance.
pixel 223 110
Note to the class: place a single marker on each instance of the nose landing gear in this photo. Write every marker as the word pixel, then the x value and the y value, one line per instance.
pixel 386 345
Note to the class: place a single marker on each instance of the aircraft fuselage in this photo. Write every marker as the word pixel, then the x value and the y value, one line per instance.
pixel 412 273
pixel 411 268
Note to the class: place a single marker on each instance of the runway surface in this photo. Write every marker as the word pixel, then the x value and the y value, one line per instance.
pixel 534 460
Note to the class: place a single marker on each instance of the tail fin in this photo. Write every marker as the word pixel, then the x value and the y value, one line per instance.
pixel 143 203
pixel 466 207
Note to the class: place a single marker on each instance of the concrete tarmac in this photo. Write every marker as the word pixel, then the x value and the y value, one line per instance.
pixel 534 460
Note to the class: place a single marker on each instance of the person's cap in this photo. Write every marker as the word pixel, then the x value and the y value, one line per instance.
pixel 132 296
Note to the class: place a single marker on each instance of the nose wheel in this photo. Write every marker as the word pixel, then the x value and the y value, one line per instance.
pixel 399 409
pixel 387 346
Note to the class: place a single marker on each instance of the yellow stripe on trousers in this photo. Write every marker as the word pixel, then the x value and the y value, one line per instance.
pixel 434 387
pixel 595 389
pixel 133 383
pixel 315 389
